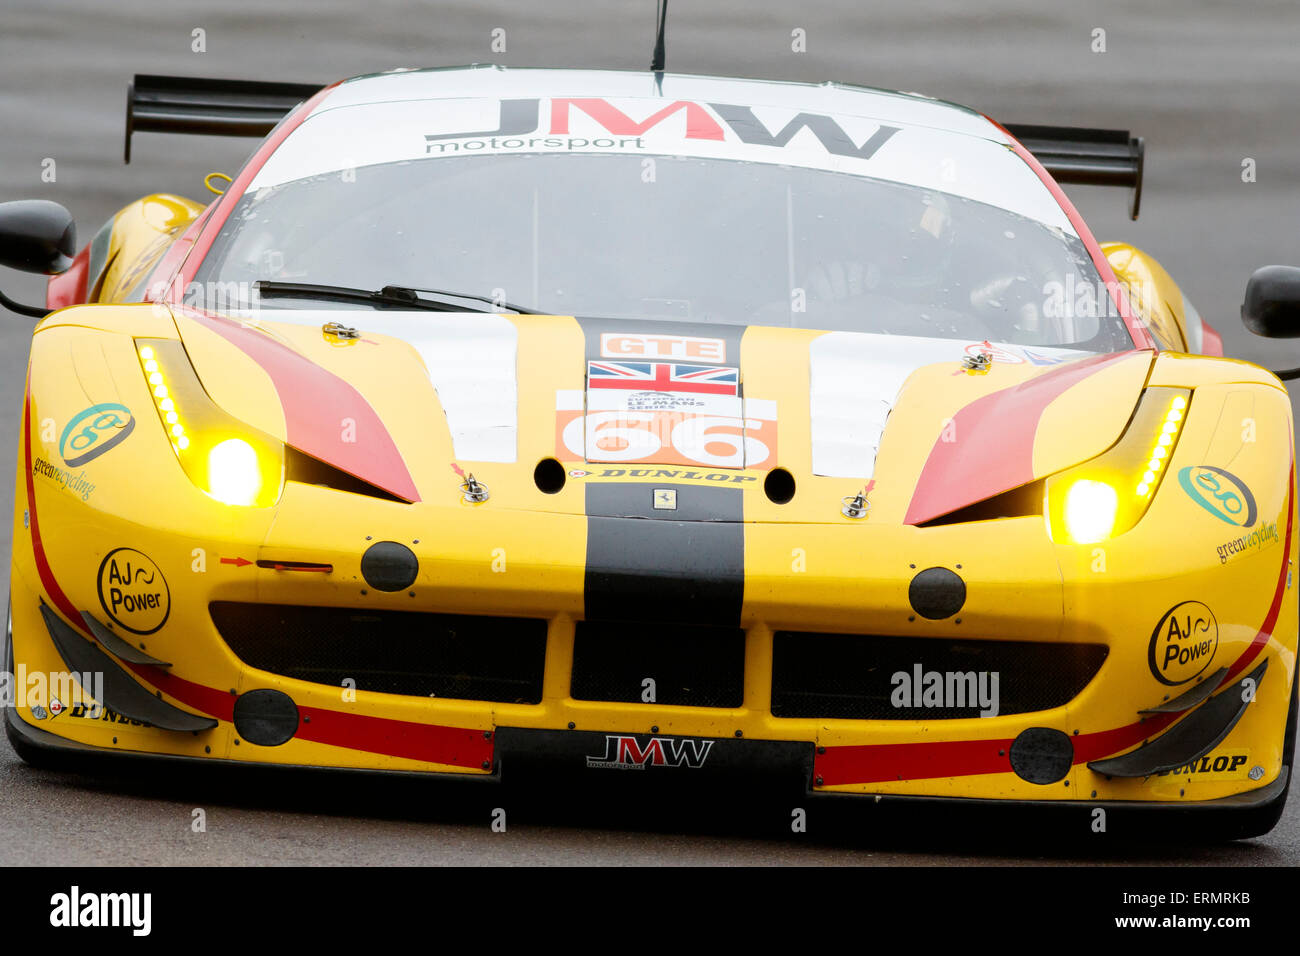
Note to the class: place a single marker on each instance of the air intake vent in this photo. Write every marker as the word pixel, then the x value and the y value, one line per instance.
pixel 390 652
pixel 678 664
pixel 854 676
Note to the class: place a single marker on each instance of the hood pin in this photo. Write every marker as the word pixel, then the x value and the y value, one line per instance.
pixel 856 506
pixel 339 331
pixel 978 364
pixel 474 490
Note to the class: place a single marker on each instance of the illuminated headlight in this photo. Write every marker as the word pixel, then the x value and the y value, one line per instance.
pixel 234 475
pixel 1108 495
pixel 231 462
pixel 1090 508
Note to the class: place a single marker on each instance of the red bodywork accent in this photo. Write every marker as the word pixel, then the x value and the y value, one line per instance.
pixel 454 746
pixel 316 404
pixel 996 451
pixel 69 288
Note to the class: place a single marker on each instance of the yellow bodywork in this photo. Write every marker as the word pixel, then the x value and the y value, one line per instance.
pixel 807 566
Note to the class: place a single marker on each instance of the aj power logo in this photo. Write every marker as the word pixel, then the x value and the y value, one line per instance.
pixel 1183 643
pixel 133 591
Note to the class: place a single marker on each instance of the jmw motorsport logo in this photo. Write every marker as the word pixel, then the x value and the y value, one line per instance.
pixel 624 752
pixel 1183 643
pixel 519 118
pixel 133 591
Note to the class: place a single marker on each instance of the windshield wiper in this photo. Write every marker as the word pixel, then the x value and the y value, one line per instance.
pixel 394 295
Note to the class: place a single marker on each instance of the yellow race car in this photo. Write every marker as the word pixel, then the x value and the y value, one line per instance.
pixel 636 421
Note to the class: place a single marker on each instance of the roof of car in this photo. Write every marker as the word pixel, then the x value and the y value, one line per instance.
pixel 499 82
pixel 902 138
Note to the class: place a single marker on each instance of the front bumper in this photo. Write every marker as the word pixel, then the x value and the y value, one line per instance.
pixel 528 757
pixel 964 758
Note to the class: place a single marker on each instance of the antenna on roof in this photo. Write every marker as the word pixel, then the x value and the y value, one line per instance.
pixel 657 58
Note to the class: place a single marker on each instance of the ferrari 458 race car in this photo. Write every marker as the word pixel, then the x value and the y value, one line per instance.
pixel 659 423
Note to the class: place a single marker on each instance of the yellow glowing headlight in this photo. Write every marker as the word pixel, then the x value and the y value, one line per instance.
pixel 1090 508
pixel 231 462
pixel 234 475
pixel 1108 495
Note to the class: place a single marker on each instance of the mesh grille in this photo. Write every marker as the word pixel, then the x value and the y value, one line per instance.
pixel 690 666
pixel 853 675
pixel 391 652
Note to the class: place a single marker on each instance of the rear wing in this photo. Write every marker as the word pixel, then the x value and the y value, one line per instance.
pixel 182 104
pixel 1092 157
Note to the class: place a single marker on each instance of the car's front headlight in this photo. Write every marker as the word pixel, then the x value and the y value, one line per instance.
pixel 1109 494
pixel 230 461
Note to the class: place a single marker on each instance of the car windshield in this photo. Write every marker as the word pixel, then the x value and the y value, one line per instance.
pixel 673 238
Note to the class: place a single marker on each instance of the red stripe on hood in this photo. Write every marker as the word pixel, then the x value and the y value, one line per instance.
pixel 996 450
pixel 316 402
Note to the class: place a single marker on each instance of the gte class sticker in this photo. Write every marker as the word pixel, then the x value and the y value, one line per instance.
pixel 1183 644
pixel 93 431
pixel 133 591
pixel 637 345
pixel 1219 492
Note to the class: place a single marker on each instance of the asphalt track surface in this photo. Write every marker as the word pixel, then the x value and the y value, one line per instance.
pixel 1208 84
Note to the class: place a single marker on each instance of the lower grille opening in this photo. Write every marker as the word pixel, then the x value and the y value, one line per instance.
pixel 688 666
pixel 469 657
pixel 866 677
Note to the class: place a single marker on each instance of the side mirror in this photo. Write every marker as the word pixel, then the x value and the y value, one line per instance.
pixel 36 235
pixel 1272 305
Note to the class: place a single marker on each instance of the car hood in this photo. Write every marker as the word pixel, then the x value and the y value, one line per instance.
pixel 409 402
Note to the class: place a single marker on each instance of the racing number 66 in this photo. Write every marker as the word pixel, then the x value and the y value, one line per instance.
pixel 618 436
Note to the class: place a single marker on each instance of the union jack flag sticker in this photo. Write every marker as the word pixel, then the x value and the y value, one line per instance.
pixel 664 377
